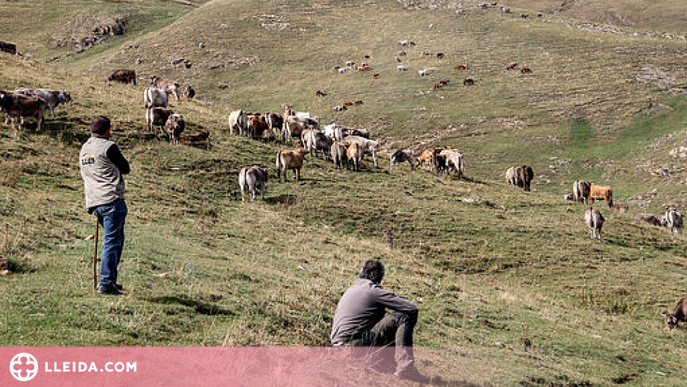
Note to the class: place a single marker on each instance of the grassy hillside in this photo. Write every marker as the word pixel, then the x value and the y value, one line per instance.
pixel 508 282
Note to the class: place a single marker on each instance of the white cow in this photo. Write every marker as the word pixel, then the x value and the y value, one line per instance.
pixel 594 221
pixel 333 131
pixel 673 220
pixel 367 146
pixel 251 178
pixel 454 161
pixel 152 98
pixel 238 121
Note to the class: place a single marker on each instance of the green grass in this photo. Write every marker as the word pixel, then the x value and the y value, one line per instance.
pixel 490 267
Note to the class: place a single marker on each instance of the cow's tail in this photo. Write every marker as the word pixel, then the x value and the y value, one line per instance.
pixel 278 163
pixel 610 197
pixel 461 171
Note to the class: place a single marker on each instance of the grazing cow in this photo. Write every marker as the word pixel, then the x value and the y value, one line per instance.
pixel 401 53
pixel 406 43
pixel 290 159
pixel 347 103
pixel 468 81
pixel 595 221
pixel 651 219
pixel 525 176
pixel 512 66
pixel 424 72
pixel 358 132
pixel 17 107
pixel 438 86
pixel 342 70
pixel 293 129
pixel 444 82
pixel 401 68
pixel 196 137
pixel 400 156
pixel 426 157
pixel 339 108
pixel 512 176
pixel 350 63
pixel 256 127
pixel 174 126
pixel 52 97
pixel 363 68
pixel 570 197
pixel 315 140
pixel 159 117
pixel 526 70
pixel 366 146
pixel 320 93
pixel 238 121
pixel 620 207
pixel 461 66
pixel 253 178
pixel 679 313
pixel 338 153
pixel 275 123
pixel 169 86
pixel 358 102
pixel 190 92
pixel 599 192
pixel 8 47
pixel 375 76
pixel 354 155
pixel 440 55
pixel 123 76
pixel 581 190
pixel 673 221
pixel 453 160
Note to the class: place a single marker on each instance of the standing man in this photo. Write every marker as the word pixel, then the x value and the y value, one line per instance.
pixel 361 320
pixel 102 167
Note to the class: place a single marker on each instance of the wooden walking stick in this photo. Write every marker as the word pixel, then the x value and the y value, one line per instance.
pixel 95 255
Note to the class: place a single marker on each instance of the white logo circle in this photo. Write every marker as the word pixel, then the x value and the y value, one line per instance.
pixel 24 367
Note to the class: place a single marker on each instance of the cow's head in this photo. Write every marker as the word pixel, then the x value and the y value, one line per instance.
pixel 65 97
pixel 671 321
pixel 153 79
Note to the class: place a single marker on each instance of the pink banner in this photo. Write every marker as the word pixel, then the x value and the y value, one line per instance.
pixel 186 366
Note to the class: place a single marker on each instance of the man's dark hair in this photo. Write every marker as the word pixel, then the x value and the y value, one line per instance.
pixel 373 270
pixel 100 125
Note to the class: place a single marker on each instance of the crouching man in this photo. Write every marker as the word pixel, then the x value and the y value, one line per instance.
pixel 361 320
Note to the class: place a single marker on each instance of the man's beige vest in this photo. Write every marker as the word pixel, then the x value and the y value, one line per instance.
pixel 102 180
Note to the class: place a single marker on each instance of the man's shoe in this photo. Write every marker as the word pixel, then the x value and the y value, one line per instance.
pixel 109 291
pixel 119 286
pixel 413 375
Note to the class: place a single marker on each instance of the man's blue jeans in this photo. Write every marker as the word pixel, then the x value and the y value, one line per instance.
pixel 112 216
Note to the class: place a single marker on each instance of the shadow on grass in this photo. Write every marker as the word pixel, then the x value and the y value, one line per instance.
pixel 200 306
pixel 281 199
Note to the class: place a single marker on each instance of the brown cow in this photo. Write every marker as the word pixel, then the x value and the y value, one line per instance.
pixel 363 68
pixel 290 159
pixel 437 86
pixel 196 137
pixel 679 313
pixel 320 93
pixel 347 103
pixel 159 116
pixel 512 66
pixel 461 66
pixel 525 176
pixel 599 192
pixel 257 126
pixel 8 47
pixel 525 70
pixel 468 81
pixel 123 76
pixel 174 126
pixel 18 106
pixel 358 102
pixel 354 155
